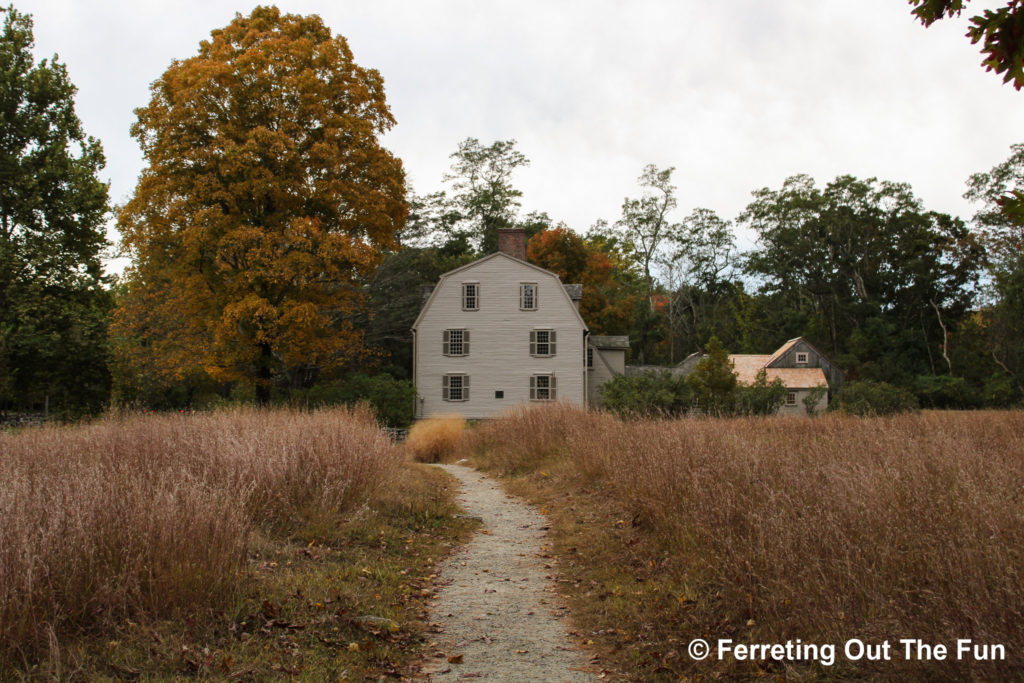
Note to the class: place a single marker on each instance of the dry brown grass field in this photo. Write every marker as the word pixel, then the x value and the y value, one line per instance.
pixel 768 530
pixel 238 544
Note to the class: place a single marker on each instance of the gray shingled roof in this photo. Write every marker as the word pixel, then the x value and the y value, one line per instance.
pixel 575 292
pixel 609 342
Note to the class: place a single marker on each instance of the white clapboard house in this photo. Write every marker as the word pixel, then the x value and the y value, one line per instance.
pixel 500 332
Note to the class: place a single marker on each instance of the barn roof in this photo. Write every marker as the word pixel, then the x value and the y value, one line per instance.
pixel 609 341
pixel 782 350
pixel 746 368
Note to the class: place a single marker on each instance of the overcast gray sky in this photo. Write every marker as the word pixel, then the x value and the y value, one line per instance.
pixel 736 94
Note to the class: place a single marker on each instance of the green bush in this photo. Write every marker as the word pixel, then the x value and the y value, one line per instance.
pixel 762 397
pixel 649 395
pixel 943 391
pixel 1000 392
pixel 391 399
pixel 868 397
pixel 812 399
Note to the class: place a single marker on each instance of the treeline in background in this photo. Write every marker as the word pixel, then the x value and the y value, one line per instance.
pixel 278 254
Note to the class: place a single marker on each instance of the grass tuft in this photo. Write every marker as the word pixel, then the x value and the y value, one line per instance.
pixel 436 438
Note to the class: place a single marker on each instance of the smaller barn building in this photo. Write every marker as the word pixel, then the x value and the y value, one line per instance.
pixel 803 370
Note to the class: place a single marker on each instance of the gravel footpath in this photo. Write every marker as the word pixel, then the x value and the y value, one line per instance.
pixel 499 615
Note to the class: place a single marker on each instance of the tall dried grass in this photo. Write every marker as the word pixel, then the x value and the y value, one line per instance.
pixel 435 438
pixel 153 514
pixel 824 529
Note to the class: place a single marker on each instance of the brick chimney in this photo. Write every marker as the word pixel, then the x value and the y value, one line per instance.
pixel 512 241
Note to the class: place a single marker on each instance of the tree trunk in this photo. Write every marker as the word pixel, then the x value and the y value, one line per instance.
pixel 263 376
pixel 945 338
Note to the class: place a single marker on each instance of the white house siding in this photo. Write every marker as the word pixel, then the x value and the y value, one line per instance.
pixel 499 353
pixel 607 364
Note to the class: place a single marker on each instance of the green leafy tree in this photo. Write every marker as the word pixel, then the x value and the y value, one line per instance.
pixel 713 382
pixel 396 295
pixel 1000 32
pixel 700 264
pixel 267 202
pixel 53 306
pixel 861 268
pixel 645 225
pixel 995 190
pixel 481 181
pixel 999 192
pixel 644 229
pixel 481 198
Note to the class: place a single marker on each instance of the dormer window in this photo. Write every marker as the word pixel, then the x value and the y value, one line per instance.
pixel 801 358
pixel 528 296
pixel 470 296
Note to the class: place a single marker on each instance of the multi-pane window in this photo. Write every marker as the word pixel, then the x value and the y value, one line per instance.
pixel 590 357
pixel 801 358
pixel 542 342
pixel 528 296
pixel 791 398
pixel 455 343
pixel 542 387
pixel 455 388
pixel 470 296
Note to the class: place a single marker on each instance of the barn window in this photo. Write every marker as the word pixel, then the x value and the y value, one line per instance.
pixel 455 388
pixel 791 398
pixel 542 388
pixel 455 343
pixel 801 358
pixel 528 296
pixel 542 343
pixel 470 296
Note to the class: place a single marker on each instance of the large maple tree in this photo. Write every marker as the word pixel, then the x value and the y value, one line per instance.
pixel 267 199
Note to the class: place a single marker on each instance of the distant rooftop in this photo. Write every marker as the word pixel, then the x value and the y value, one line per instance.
pixel 609 342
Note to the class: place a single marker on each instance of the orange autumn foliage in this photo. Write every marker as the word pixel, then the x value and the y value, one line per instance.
pixel 266 198
pixel 608 302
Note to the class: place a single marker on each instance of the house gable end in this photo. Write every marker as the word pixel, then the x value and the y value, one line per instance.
pixel 537 270
pixel 786 357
